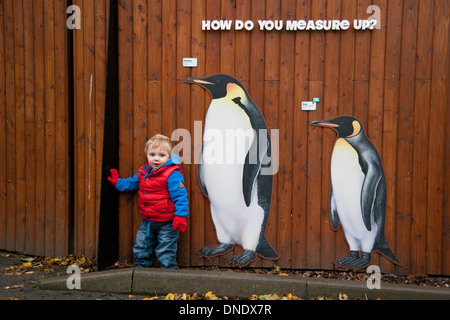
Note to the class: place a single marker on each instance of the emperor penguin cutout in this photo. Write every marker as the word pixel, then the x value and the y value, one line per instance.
pixel 358 193
pixel 234 170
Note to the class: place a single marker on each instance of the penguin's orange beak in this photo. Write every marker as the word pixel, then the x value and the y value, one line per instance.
pixel 198 81
pixel 325 124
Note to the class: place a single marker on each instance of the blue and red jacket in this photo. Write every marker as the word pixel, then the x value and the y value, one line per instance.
pixel 162 193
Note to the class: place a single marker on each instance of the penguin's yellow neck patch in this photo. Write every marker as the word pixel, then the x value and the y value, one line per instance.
pixel 234 91
pixel 356 128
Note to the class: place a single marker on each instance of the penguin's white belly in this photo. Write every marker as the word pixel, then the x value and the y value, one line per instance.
pixel 227 138
pixel 347 180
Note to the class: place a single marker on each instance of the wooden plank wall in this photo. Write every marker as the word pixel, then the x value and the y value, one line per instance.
pixel 395 80
pixel 89 65
pixel 34 127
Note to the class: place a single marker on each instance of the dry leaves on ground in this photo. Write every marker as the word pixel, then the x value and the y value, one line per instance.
pixel 47 264
pixel 211 296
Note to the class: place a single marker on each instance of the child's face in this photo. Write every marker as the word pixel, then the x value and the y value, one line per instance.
pixel 157 157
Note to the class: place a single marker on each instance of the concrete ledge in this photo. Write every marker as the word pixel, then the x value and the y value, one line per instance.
pixel 230 284
pixel 359 290
pixel 115 281
pixel 237 284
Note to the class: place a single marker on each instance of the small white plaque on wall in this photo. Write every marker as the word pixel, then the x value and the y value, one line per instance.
pixel 190 62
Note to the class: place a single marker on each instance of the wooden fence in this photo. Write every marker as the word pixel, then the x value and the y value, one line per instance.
pixel 35 164
pixel 395 79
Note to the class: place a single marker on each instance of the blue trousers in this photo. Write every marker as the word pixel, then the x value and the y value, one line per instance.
pixel 159 238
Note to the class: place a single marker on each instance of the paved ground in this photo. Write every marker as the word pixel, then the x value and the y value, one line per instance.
pixel 24 285
pixel 20 280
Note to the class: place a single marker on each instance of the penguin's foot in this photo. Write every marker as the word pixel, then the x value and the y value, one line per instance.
pixel 244 259
pixel 362 262
pixel 353 261
pixel 346 261
pixel 208 252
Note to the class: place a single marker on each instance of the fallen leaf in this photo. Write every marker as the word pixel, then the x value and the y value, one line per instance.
pixel 170 296
pixel 185 297
pixel 343 296
pixel 28 259
pixel 210 296
pixel 17 286
pixel 290 296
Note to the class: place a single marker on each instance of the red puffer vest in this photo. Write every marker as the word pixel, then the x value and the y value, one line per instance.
pixel 154 197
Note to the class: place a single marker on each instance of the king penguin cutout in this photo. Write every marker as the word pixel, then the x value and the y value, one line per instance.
pixel 358 193
pixel 234 170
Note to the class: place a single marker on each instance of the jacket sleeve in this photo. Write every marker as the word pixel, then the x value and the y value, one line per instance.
pixel 178 193
pixel 128 184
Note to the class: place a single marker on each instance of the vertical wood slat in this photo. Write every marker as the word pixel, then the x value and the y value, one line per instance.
pixel 34 201
pixel 3 140
pixel 125 126
pixel 10 126
pixel 183 98
pixel 330 98
pixel 198 97
pixel 49 126
pixel 30 127
pixel 89 106
pixel 140 95
pixel 437 151
pixel 38 9
pixel 315 137
pixel 285 114
pixel 404 128
pixel 446 222
pixel 300 143
pixel 19 74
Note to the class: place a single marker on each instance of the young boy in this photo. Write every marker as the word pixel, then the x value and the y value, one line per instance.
pixel 163 203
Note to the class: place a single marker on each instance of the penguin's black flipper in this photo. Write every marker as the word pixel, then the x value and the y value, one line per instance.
pixel 368 194
pixel 252 165
pixel 333 212
pixel 200 176
pixel 257 151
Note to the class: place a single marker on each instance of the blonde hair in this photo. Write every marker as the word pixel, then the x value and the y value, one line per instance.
pixel 159 141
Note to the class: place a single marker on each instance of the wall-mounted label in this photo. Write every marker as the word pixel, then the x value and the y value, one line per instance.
pixel 310 105
pixel 190 62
